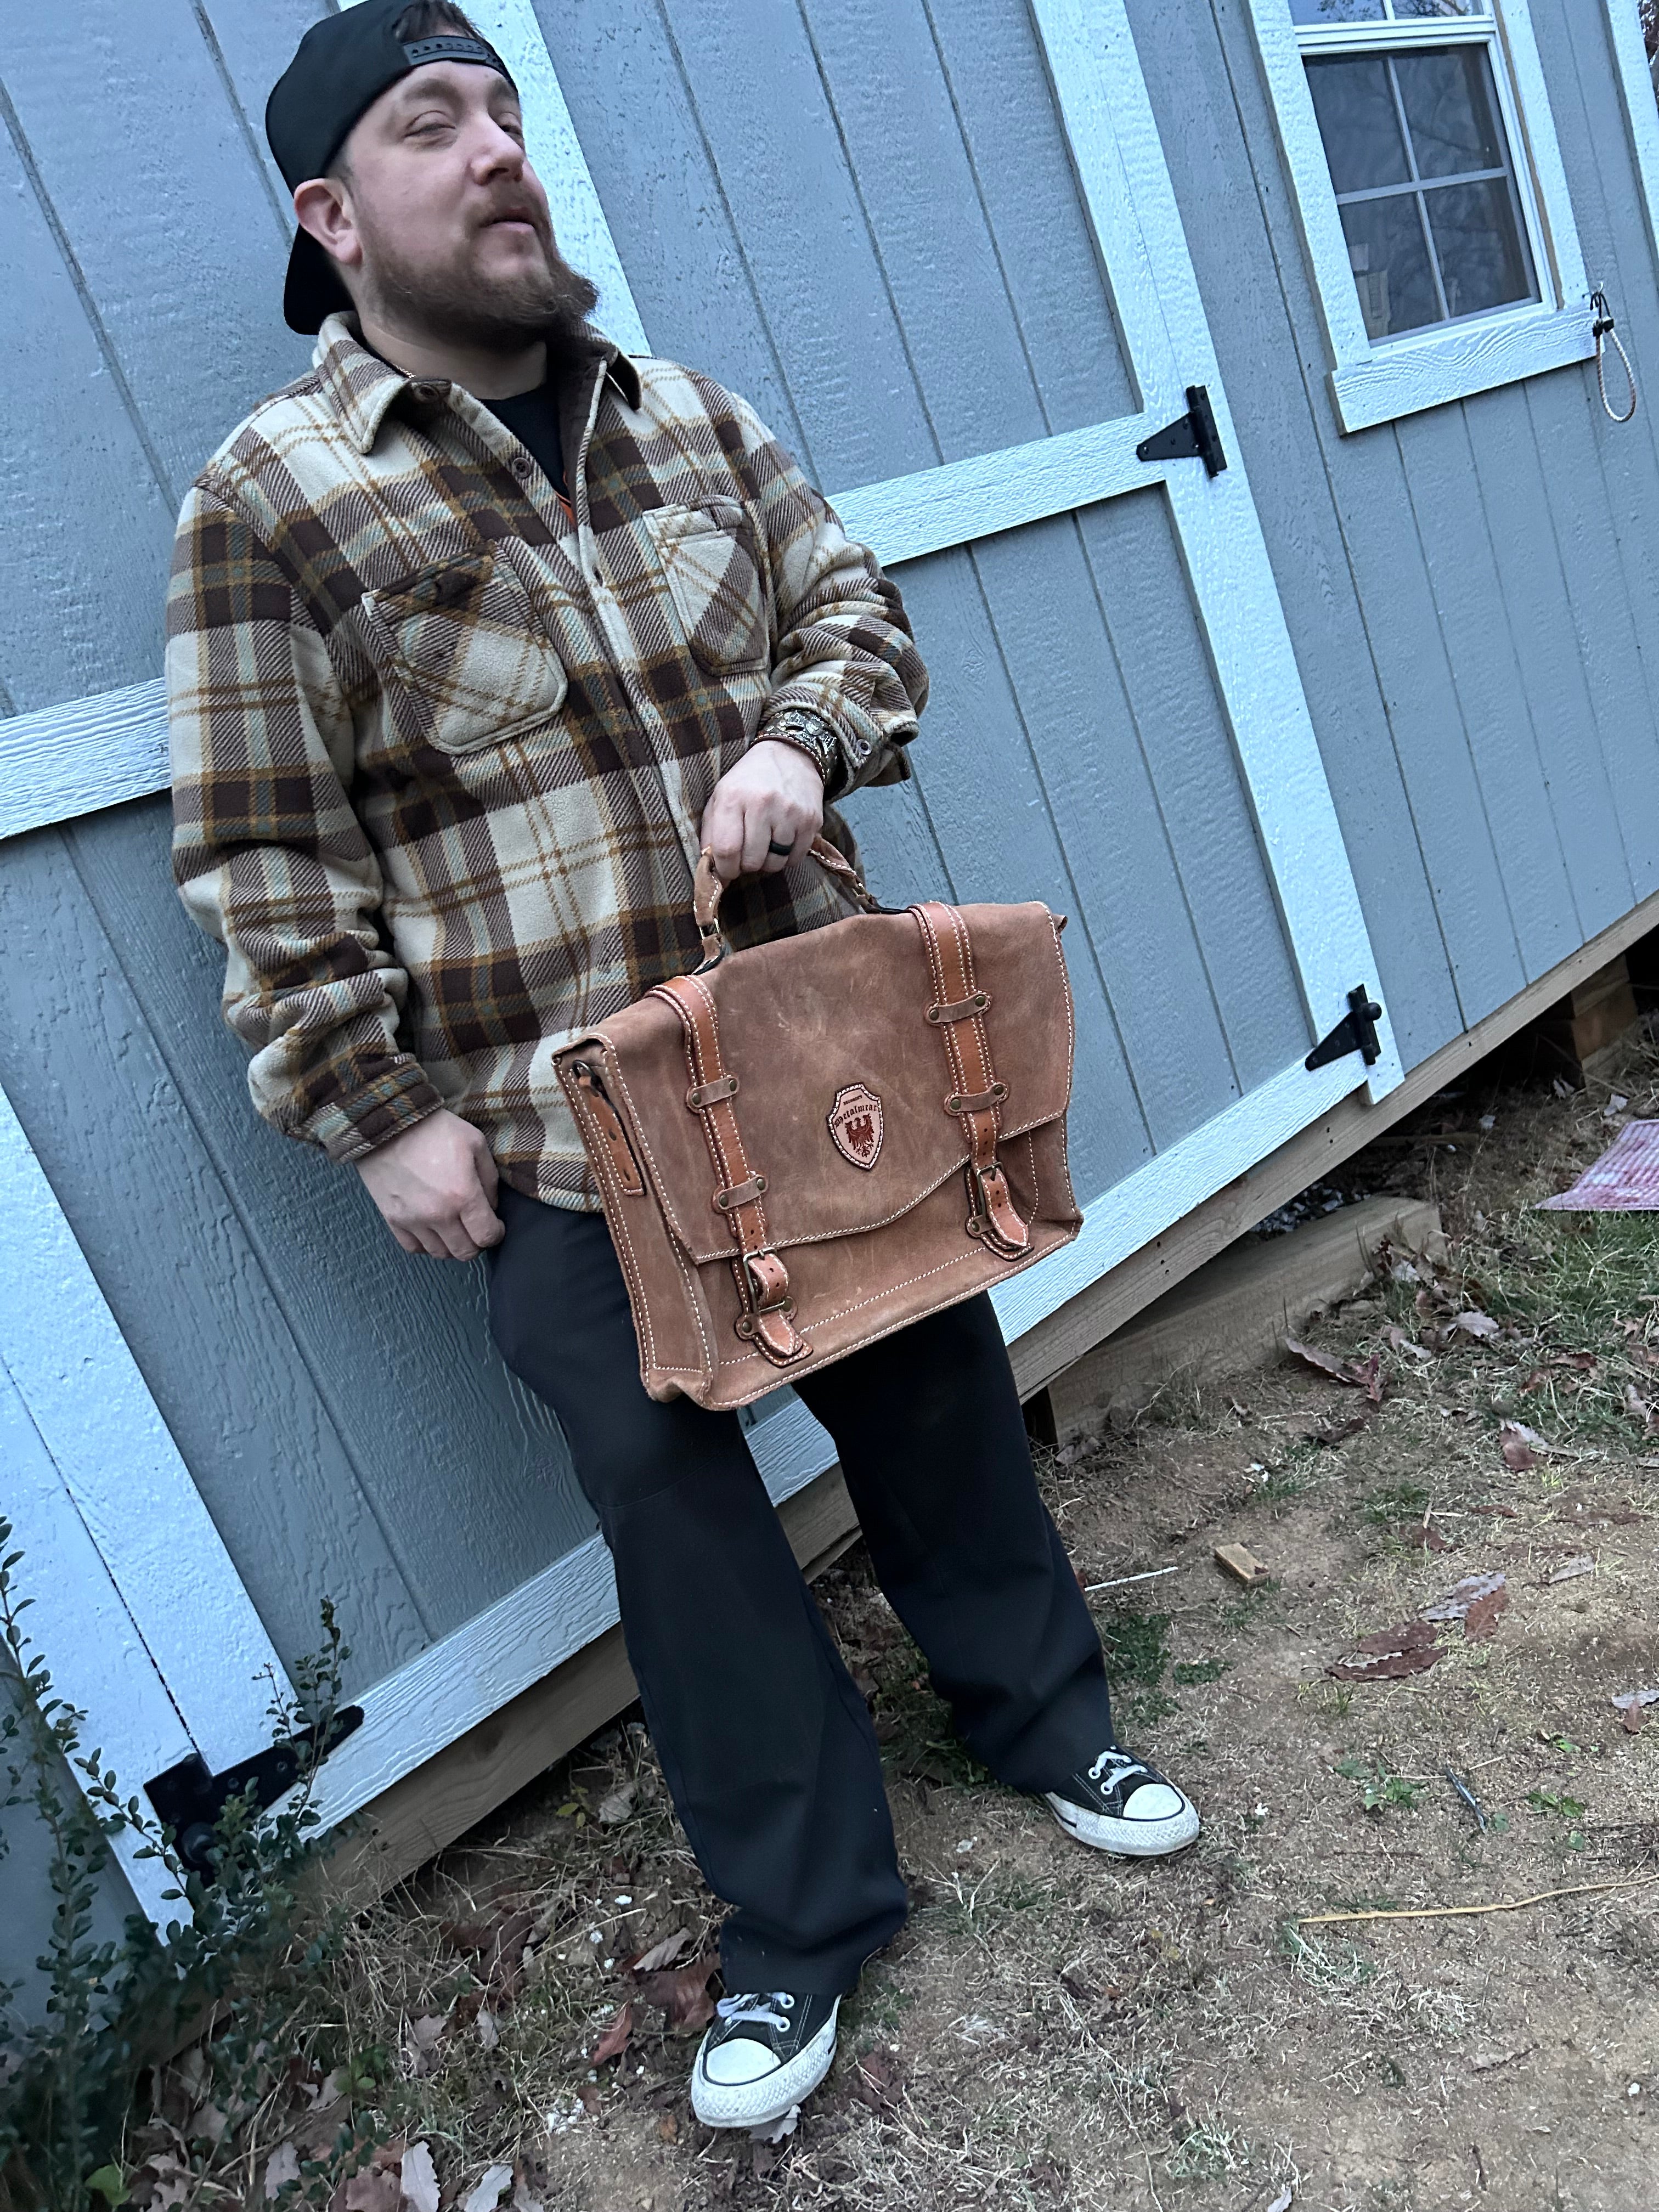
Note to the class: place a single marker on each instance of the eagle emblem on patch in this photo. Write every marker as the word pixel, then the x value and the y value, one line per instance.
pixel 855 1125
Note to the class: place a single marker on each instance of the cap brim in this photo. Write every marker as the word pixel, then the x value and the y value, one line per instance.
pixel 313 290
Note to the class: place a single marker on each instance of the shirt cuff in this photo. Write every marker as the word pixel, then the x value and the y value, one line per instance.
pixel 351 1127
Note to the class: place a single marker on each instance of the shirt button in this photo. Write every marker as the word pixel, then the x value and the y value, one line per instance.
pixel 520 465
pixel 427 390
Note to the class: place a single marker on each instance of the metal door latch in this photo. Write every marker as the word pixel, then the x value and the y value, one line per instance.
pixel 1355 1032
pixel 1190 436
pixel 190 1797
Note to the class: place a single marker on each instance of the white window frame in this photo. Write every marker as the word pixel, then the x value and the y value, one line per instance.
pixel 1375 380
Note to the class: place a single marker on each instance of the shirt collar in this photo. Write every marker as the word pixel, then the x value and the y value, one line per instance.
pixel 361 387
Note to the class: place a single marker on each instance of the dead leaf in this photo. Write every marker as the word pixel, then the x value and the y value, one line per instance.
pixel 1401 1342
pixel 283 2166
pixel 1476 1324
pixel 1410 1649
pixel 878 2080
pixel 419 2180
pixel 489 2193
pixel 1569 1570
pixel 1482 1619
pixel 1638 1407
pixel 668 2127
pixel 1520 1446
pixel 1633 1700
pixel 614 2040
pixel 172 2184
pixel 1322 1363
pixel 1632 1719
pixel 373 2191
pixel 1534 1380
pixel 1426 1537
pixel 593 2103
pixel 683 1992
pixel 617 1805
pixel 489 2033
pixel 1485 2061
pixel 659 1954
pixel 420 2044
pixel 1457 1601
pixel 1336 1432
pixel 524 2197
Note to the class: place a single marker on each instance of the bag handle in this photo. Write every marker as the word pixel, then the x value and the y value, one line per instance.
pixel 707 888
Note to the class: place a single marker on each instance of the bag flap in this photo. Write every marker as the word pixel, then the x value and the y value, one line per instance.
pixel 842 1078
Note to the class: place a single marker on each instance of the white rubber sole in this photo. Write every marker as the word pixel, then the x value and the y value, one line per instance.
pixel 1127 1839
pixel 753 2104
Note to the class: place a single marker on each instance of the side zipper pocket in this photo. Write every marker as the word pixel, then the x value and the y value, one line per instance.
pixel 608 1123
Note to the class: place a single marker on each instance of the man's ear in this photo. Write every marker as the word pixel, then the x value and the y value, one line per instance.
pixel 322 206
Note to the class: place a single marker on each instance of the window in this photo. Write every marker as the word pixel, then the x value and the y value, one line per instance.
pixel 1430 195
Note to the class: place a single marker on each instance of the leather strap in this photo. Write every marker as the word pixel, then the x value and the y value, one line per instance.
pixel 762 1279
pixel 706 887
pixel 975 1096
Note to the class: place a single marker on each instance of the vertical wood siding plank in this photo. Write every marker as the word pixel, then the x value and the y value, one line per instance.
pixel 986 803
pixel 1529 568
pixel 1100 790
pixel 140 151
pixel 665 203
pixel 1507 740
pixel 85 527
pixel 255 46
pixel 1023 175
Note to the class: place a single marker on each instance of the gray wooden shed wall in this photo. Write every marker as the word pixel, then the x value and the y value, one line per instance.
pixel 855 211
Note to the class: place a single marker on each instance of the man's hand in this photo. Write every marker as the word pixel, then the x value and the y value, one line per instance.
pixel 436 1186
pixel 774 795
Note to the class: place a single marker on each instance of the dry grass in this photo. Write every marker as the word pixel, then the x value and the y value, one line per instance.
pixel 1052 2029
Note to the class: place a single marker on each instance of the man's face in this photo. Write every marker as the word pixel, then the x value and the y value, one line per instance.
pixel 453 223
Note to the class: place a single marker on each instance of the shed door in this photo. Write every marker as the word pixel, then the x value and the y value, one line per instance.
pixel 936 242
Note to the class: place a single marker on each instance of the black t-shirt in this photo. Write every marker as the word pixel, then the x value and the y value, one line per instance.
pixel 533 419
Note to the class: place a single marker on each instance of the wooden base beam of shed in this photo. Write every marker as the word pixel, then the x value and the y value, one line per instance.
pixel 414 1820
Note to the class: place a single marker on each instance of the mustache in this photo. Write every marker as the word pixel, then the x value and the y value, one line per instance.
pixel 517 207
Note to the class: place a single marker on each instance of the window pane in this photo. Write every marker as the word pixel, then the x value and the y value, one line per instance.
pixel 1411 11
pixel 1448 98
pixel 1391 263
pixel 1336 11
pixel 1358 122
pixel 1483 260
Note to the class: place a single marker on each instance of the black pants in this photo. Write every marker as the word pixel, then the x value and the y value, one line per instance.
pixel 764 1741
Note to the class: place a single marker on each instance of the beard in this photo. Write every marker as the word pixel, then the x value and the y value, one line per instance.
pixel 498 314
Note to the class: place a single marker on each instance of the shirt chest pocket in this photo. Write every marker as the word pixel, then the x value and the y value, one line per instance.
pixel 707 556
pixel 466 650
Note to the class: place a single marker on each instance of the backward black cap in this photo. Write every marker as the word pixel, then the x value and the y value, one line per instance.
pixel 344 63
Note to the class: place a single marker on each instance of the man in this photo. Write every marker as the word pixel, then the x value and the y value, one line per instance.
pixel 477 633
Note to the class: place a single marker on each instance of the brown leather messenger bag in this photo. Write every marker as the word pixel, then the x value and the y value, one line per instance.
pixel 807 1144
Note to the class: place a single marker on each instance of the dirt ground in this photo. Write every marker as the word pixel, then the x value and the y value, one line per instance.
pixel 1053 2028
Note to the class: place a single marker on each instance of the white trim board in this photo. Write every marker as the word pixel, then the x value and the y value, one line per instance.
pixel 88 1639
pixel 97 1422
pixel 1373 383
pixel 1641 105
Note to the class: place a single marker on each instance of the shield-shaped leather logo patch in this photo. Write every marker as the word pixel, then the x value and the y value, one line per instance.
pixel 855 1125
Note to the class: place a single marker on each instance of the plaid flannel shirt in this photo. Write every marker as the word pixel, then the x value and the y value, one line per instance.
pixel 441 744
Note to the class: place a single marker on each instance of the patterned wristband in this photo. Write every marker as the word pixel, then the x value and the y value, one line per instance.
pixel 808 734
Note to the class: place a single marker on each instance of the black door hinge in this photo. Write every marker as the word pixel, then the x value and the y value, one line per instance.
pixel 1355 1032
pixel 1190 436
pixel 190 1797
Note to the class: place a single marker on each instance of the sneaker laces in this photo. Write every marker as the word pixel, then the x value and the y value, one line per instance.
pixel 1120 1763
pixel 756 2005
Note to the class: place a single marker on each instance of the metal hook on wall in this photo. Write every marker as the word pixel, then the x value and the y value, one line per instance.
pixel 1602 329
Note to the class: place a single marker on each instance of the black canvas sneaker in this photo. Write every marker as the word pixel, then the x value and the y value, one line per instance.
pixel 1121 1804
pixel 763 2055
